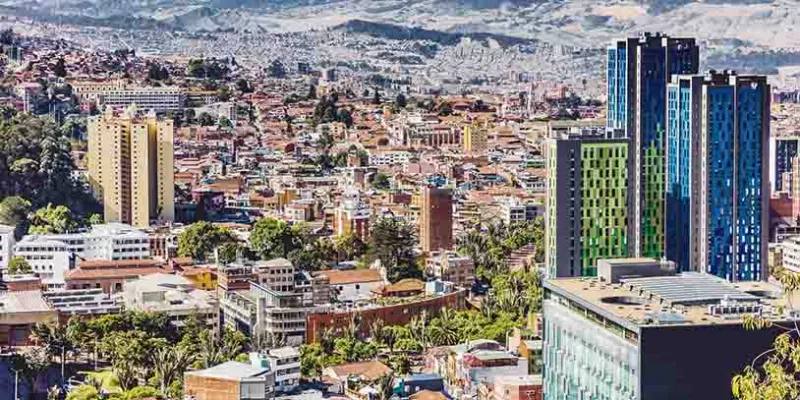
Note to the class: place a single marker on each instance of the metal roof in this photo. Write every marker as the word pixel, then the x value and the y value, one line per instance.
pixel 688 288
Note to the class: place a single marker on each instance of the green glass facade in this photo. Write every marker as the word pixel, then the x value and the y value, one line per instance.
pixel 587 203
pixel 604 216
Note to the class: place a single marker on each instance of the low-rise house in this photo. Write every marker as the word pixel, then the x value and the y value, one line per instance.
pixel 111 275
pixel 349 379
pixel 448 266
pixel 232 380
pixel 19 312
pixel 352 285
pixel 513 387
pixel 171 294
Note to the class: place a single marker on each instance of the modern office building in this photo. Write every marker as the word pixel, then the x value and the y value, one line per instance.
pixel 588 197
pixel 717 194
pixel 436 219
pixel 131 166
pixel 782 150
pixel 646 334
pixel 638 72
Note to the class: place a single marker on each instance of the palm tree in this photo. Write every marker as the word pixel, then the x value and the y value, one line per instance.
pixel 443 330
pixel 384 386
pixel 263 341
pixel 169 364
pixel 53 337
pixel 30 365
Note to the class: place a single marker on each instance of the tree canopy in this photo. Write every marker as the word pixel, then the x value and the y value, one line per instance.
pixel 392 242
pixel 200 239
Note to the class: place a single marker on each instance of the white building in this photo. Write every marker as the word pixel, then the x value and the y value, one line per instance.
pixel 6 245
pixel 171 294
pixel 276 274
pixel 353 285
pixel 378 158
pixel 513 209
pixel 112 241
pixel 285 362
pixel 158 99
pixel 791 253
pixel 50 259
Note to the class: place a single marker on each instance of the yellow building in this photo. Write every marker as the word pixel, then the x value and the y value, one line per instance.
pixel 476 139
pixel 131 167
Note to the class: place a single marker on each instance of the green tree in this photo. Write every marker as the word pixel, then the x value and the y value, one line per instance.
pixel 224 93
pixel 50 220
pixel 393 242
pixel 29 365
pixel 272 238
pixel 381 181
pixel 53 338
pixel 169 364
pixel 14 212
pixel 244 86
pixel 401 101
pixel 95 219
pixel 60 68
pixel 376 98
pixel 142 392
pixel 201 238
pixel 18 265
pixel 311 360
pixel 205 119
pixel 84 392
pixel 349 247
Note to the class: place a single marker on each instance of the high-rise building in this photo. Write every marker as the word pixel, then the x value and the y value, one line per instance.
pixel 717 192
pixel 781 152
pixel 588 197
pixel 640 332
pixel 131 166
pixel 476 139
pixel 436 219
pixel 638 72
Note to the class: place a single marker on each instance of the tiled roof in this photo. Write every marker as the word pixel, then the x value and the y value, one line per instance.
pixel 368 370
pixel 352 276
pixel 112 273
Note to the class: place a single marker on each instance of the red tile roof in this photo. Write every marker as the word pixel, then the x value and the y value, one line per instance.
pixel 352 276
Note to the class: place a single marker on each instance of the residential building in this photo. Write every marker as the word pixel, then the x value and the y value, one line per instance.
pixel 448 266
pixel 111 241
pixel 131 166
pixel 173 295
pixel 717 195
pixel 263 310
pixel 277 274
pixel 465 367
pixel 110 275
pixel 366 373
pixel 436 219
pixel 513 209
pixel 388 157
pixel 231 380
pixel 352 285
pixel 653 337
pixel 117 95
pixel 409 385
pixel 790 253
pixel 515 387
pixel 49 259
pixel 6 245
pixel 782 150
pixel 476 139
pixel 19 313
pixel 637 76
pixel 352 216
pixel 588 203
pixel 285 362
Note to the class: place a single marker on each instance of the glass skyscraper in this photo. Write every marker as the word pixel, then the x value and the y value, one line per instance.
pixel 717 193
pixel 638 72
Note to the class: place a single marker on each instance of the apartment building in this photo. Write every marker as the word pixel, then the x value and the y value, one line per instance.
pixel 513 209
pixel 277 274
pixel 352 216
pixel 49 259
pixel 118 95
pixel 436 219
pixel 173 295
pixel 476 139
pixel 131 166
pixel 448 266
pixel 6 245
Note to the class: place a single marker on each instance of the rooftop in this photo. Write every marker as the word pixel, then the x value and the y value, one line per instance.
pixel 368 370
pixel 352 276
pixel 23 302
pixel 231 370
pixel 686 298
pixel 519 380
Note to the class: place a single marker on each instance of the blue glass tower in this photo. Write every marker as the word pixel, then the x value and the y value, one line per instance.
pixel 717 191
pixel 781 150
pixel 638 72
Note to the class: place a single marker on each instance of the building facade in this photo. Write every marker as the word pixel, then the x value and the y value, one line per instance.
pixel 588 198
pixel 781 152
pixel 638 72
pixel 717 194
pixel 436 219
pixel 131 167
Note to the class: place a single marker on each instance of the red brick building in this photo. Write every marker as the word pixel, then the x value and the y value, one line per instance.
pixel 436 219
pixel 400 314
